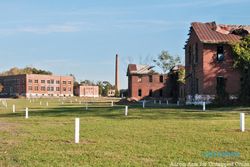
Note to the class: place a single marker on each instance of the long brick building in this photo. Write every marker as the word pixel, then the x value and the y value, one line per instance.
pixel 209 59
pixel 36 85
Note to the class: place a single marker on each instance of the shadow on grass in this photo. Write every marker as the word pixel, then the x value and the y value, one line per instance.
pixel 117 112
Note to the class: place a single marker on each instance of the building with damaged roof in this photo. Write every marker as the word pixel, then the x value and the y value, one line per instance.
pixel 209 59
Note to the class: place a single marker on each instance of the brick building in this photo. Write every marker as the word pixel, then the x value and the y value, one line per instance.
pixel 209 59
pixel 144 82
pixel 36 85
pixel 87 91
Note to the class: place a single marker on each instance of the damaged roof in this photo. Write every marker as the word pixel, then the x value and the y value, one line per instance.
pixel 140 69
pixel 219 33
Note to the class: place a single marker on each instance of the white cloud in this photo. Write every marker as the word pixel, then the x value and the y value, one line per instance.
pixel 46 29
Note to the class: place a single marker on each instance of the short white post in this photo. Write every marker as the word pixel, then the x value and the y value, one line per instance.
pixel 77 130
pixel 159 101
pixel 178 103
pixel 167 101
pixel 112 104
pixel 86 106
pixel 204 106
pixel 242 122
pixel 14 108
pixel 143 104
pixel 47 104
pixel 40 103
pixel 126 110
pixel 154 101
pixel 26 113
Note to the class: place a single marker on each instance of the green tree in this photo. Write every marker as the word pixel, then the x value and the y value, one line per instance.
pixel 241 52
pixel 165 61
pixel 26 70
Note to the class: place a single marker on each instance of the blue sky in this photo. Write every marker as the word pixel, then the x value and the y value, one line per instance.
pixel 82 36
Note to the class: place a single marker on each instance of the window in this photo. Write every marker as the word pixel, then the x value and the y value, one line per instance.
pixel 161 93
pixel 30 88
pixel 161 78
pixel 64 82
pixel 57 82
pixel 220 80
pixel 52 81
pixel 48 81
pixel 64 89
pixel 69 89
pixel 69 82
pixel 51 88
pixel 139 92
pixel 36 81
pixel 150 93
pixel 57 88
pixel 42 81
pixel 43 88
pixel 139 79
pixel 150 77
pixel 220 53
pixel 36 88
pixel 48 88
pixel 30 80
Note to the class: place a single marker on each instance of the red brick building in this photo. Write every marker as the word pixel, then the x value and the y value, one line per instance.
pixel 36 85
pixel 209 58
pixel 87 91
pixel 144 82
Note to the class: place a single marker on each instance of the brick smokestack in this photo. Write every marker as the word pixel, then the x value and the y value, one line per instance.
pixel 117 73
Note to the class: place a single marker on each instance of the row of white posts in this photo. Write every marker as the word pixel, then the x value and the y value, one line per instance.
pixel 77 121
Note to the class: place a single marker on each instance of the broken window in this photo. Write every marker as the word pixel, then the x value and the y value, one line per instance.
pixel 139 79
pixel 150 93
pixel 150 78
pixel 139 92
pixel 220 53
pixel 161 78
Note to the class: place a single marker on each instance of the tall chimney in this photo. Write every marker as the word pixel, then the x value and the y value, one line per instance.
pixel 117 72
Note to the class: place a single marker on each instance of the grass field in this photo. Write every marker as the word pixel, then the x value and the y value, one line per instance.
pixel 154 136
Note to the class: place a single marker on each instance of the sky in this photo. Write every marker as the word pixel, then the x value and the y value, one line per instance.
pixel 82 37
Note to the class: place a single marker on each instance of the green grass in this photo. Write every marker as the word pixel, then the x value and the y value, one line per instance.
pixel 154 136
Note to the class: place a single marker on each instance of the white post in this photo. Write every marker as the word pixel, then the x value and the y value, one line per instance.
pixel 77 130
pixel 242 122
pixel 126 110
pixel 86 106
pixel 178 103
pixel 14 108
pixel 167 101
pixel 47 104
pixel 143 104
pixel 112 103
pixel 154 101
pixel 26 113
pixel 159 101
pixel 204 106
pixel 40 103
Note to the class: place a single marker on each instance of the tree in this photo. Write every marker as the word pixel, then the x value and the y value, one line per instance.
pixel 241 51
pixel 1 88
pixel 26 70
pixel 165 61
